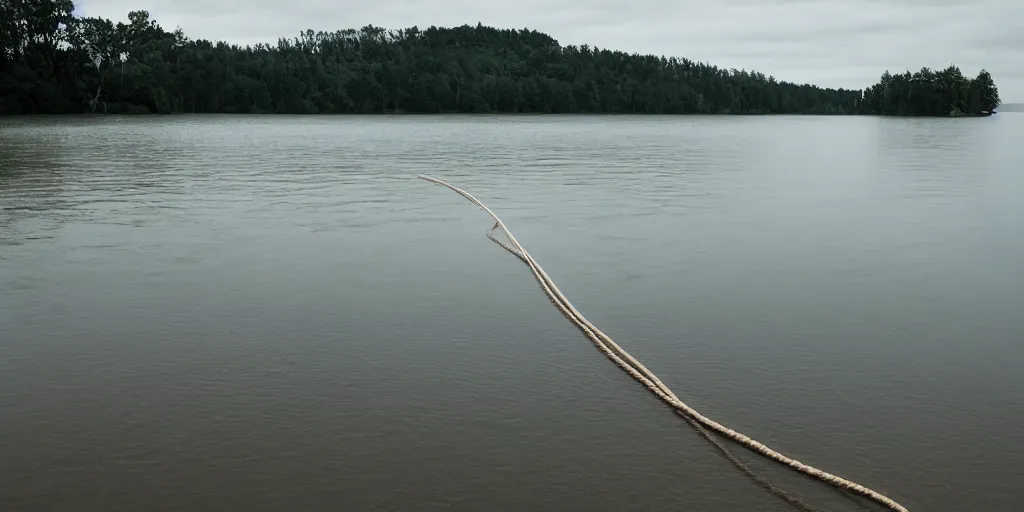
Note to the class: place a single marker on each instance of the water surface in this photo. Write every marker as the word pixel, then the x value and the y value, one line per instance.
pixel 272 313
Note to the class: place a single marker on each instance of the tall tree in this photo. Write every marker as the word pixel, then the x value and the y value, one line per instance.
pixel 987 91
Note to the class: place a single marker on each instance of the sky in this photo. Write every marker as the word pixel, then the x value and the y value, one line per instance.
pixel 831 43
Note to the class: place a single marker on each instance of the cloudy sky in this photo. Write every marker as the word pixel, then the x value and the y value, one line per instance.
pixel 835 43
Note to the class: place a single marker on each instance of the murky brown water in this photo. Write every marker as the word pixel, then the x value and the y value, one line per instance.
pixel 272 313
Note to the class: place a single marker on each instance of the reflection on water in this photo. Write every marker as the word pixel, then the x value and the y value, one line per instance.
pixel 267 313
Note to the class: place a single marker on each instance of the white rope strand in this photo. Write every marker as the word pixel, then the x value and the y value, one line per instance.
pixel 646 377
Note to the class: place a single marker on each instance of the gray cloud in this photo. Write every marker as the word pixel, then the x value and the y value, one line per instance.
pixel 836 43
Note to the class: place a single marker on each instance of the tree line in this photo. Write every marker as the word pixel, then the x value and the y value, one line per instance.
pixel 52 61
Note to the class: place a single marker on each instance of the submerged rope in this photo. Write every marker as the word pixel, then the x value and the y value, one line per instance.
pixel 640 372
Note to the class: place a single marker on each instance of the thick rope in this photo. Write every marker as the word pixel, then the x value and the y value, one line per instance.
pixel 643 375
pixel 707 434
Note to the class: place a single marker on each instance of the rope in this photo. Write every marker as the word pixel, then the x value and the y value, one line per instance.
pixel 643 375
pixel 795 501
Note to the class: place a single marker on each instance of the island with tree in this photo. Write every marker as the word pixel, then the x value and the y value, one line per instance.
pixel 52 61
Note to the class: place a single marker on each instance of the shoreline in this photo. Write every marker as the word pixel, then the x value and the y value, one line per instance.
pixel 524 114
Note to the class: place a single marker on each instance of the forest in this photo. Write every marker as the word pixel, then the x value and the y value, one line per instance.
pixel 54 62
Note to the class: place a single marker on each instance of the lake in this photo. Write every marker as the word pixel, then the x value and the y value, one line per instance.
pixel 272 313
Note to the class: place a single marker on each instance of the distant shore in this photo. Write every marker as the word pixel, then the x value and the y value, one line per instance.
pixel 141 68
pixel 137 113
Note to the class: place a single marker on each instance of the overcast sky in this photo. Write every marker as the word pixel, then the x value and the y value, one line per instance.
pixel 833 43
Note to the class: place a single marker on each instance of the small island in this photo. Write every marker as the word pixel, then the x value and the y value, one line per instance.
pixel 54 62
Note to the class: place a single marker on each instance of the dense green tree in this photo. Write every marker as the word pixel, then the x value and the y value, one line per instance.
pixel 987 92
pixel 930 93
pixel 54 62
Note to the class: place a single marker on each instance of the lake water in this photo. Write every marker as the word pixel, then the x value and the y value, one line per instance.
pixel 273 313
